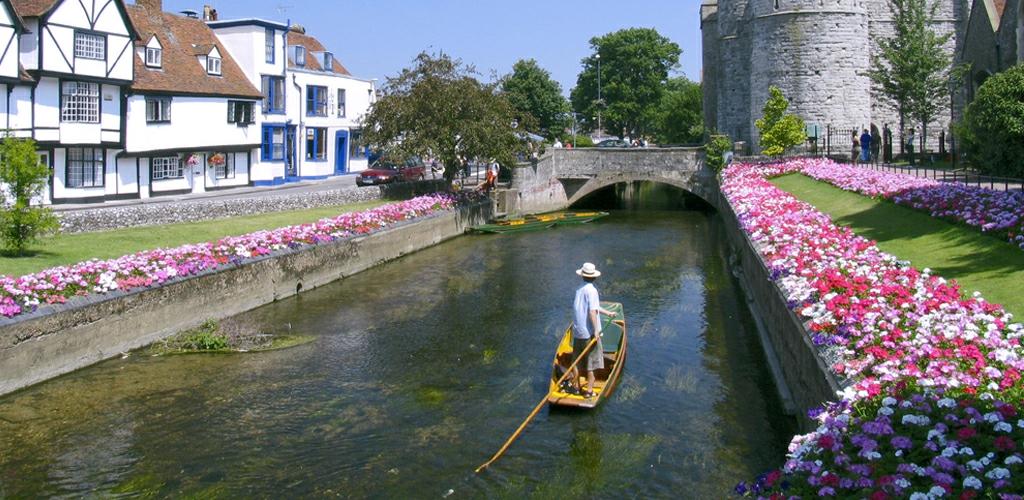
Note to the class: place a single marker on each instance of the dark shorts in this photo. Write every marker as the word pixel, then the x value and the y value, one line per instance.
pixel 594 359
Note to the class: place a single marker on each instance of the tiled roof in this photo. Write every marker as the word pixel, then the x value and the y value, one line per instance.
pixel 182 73
pixel 32 8
pixel 312 45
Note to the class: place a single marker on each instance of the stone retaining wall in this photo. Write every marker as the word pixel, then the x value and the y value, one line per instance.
pixel 806 381
pixel 59 339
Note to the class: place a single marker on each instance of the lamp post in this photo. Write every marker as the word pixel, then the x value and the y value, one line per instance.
pixel 600 129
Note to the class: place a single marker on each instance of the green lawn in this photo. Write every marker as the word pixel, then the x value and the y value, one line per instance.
pixel 977 261
pixel 70 249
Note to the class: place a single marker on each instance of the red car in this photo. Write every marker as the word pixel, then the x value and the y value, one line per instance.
pixel 385 173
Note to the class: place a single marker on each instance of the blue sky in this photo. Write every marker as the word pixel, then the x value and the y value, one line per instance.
pixel 375 39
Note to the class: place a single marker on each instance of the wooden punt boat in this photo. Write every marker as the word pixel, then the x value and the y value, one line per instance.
pixel 539 221
pixel 614 342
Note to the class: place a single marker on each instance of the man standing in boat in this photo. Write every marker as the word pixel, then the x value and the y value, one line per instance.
pixel 586 324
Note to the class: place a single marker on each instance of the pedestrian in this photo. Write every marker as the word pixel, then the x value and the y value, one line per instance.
pixel 586 326
pixel 855 150
pixel 876 143
pixel 557 144
pixel 910 145
pixel 887 137
pixel 865 146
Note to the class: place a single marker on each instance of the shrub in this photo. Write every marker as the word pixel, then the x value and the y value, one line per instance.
pixel 779 131
pixel 23 178
pixel 208 337
pixel 992 131
pixel 582 141
pixel 714 149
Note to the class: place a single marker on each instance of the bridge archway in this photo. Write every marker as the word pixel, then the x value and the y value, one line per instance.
pixel 576 193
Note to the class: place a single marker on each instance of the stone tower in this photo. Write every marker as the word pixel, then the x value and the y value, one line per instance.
pixel 816 51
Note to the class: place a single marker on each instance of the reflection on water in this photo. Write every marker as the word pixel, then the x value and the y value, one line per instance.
pixel 420 371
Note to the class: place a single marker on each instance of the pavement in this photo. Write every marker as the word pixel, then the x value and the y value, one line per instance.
pixel 329 184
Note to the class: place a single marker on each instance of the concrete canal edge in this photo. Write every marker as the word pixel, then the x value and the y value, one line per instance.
pixel 55 340
pixel 802 377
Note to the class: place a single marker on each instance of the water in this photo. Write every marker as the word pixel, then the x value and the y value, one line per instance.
pixel 420 370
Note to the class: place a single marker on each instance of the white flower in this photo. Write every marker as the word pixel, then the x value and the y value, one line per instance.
pixel 902 483
pixel 993 417
pixel 945 403
pixel 937 492
pixel 966 451
pixel 972 482
pixel 974 465
pixel 889 401
pixel 885 410
pixel 1004 427
pixel 1012 460
pixel 919 496
pixel 998 473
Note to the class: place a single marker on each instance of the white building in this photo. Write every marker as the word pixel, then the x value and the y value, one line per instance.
pixel 191 124
pixel 79 57
pixel 312 106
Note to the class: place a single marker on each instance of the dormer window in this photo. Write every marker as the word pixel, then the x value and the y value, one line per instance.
pixel 213 65
pixel 90 46
pixel 328 61
pixel 154 57
pixel 300 55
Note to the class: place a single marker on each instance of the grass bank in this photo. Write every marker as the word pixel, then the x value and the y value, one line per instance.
pixel 73 248
pixel 977 261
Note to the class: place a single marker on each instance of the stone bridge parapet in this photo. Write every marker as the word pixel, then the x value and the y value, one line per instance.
pixel 564 176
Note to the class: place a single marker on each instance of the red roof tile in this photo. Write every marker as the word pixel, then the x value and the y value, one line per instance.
pixel 32 8
pixel 312 45
pixel 180 37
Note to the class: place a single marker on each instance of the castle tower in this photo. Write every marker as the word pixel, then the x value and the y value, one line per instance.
pixel 817 52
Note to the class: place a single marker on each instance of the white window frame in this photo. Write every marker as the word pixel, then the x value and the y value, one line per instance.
pixel 227 170
pixel 79 102
pixel 247 118
pixel 328 62
pixel 90 46
pixel 270 45
pixel 154 57
pixel 213 65
pixel 342 95
pixel 300 56
pixel 167 167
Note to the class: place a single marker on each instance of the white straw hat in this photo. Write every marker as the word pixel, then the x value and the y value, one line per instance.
pixel 588 271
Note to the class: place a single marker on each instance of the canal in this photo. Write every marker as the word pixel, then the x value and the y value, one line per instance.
pixel 420 369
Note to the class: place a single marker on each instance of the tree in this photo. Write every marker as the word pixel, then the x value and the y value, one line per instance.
pixel 532 92
pixel 911 71
pixel 679 117
pixel 23 178
pixel 634 65
pixel 992 131
pixel 779 131
pixel 438 108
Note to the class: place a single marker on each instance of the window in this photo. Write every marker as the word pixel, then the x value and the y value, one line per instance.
pixel 85 167
pixel 213 65
pixel 225 169
pixel 273 94
pixel 154 57
pixel 271 45
pixel 316 101
pixel 273 142
pixel 80 102
pixel 158 110
pixel 341 103
pixel 240 112
pixel 90 46
pixel 328 61
pixel 355 146
pixel 300 55
pixel 316 144
pixel 168 167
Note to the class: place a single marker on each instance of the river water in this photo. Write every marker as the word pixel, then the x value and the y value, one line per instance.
pixel 419 371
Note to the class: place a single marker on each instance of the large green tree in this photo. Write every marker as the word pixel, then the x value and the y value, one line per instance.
pixel 438 108
pixel 634 67
pixel 992 131
pixel 679 118
pixel 23 178
pixel 911 70
pixel 533 92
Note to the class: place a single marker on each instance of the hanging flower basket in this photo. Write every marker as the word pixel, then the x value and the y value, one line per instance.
pixel 217 159
pixel 193 160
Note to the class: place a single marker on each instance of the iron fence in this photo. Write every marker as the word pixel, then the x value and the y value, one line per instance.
pixel 961 175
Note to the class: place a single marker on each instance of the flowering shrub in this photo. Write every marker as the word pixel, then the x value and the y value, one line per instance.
pixel 155 267
pixel 921 362
pixel 997 212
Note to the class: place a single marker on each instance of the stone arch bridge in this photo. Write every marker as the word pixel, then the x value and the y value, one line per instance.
pixel 564 176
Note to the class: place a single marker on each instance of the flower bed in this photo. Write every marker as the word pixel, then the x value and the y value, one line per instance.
pixel 997 212
pixel 154 267
pixel 933 404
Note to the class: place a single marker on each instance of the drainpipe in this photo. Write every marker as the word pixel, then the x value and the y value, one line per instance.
pixel 302 122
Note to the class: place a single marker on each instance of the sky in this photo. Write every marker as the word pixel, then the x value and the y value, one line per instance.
pixel 376 39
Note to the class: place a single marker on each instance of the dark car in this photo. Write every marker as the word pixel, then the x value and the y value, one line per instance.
pixel 613 143
pixel 384 172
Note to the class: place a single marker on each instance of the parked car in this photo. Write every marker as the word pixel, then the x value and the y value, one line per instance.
pixel 385 172
pixel 613 143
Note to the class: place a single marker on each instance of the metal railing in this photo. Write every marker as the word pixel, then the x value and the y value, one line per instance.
pixel 961 175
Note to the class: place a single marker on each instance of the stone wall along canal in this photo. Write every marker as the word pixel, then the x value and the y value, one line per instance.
pixel 419 371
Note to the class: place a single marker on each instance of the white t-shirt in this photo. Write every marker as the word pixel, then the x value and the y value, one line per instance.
pixel 586 300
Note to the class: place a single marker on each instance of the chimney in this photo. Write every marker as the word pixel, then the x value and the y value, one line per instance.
pixel 151 5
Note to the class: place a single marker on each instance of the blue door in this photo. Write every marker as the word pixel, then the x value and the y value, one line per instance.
pixel 341 153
